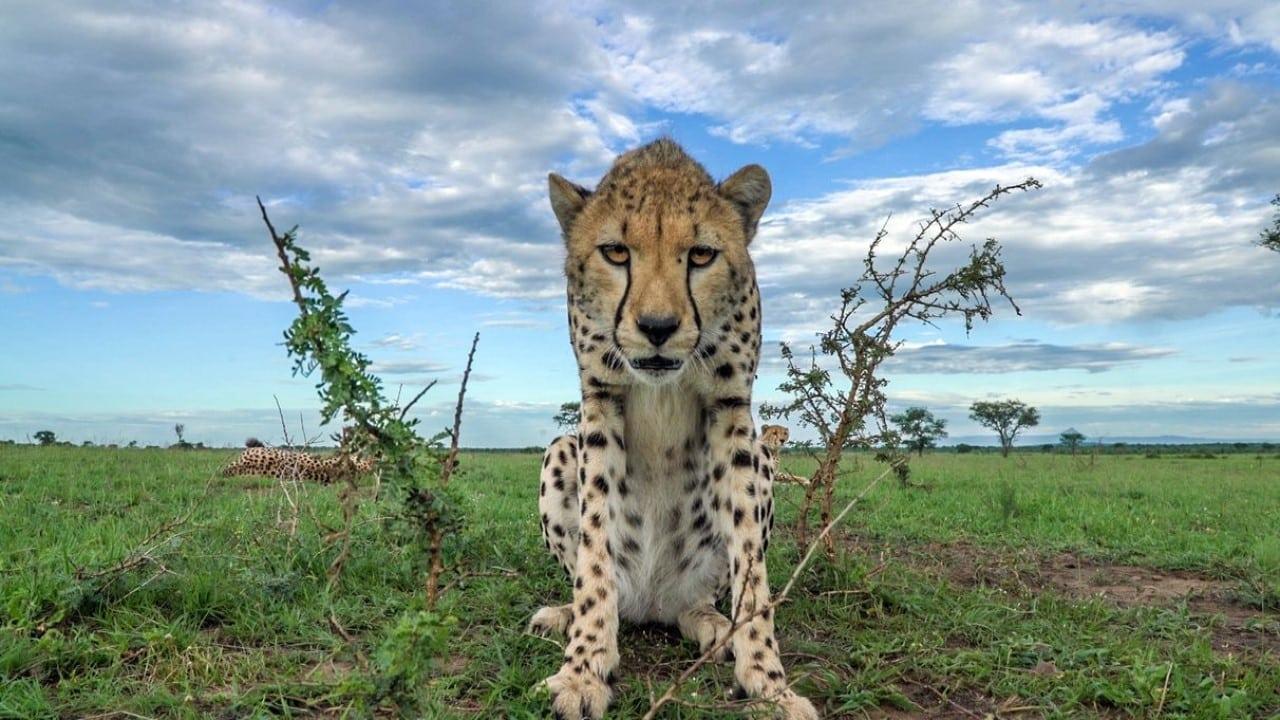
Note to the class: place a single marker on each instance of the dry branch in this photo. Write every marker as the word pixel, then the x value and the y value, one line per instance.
pixel 861 338
pixel 436 547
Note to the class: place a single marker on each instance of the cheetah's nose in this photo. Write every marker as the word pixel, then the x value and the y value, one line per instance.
pixel 657 329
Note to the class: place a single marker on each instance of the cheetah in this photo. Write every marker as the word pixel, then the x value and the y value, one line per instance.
pixel 662 504
pixel 258 459
pixel 774 437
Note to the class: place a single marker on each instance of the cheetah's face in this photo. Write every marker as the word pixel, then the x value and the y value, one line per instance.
pixel 774 436
pixel 657 260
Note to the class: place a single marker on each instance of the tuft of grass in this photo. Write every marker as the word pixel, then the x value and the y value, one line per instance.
pixel 1006 503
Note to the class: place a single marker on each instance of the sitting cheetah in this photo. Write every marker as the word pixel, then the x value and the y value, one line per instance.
pixel 665 503
pixel 774 437
pixel 274 462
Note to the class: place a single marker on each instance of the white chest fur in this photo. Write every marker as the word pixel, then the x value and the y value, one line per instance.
pixel 666 559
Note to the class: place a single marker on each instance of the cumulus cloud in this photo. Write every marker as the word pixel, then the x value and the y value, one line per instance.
pixel 396 341
pixel 1065 73
pixel 407 367
pixel 415 146
pixel 1019 357
pixel 1159 230
pixel 1024 356
pixel 870 73
pixel 402 143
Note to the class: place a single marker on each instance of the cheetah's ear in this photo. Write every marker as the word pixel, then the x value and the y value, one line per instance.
pixel 749 190
pixel 567 200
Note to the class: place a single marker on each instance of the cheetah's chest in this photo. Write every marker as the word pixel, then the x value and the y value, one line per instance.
pixel 668 557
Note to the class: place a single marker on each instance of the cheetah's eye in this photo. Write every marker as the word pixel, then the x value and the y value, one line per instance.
pixel 616 253
pixel 701 255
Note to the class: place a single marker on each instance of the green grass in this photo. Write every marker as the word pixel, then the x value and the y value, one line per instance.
pixel 1216 516
pixel 237 618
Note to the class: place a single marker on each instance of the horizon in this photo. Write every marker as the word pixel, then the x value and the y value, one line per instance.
pixel 138 286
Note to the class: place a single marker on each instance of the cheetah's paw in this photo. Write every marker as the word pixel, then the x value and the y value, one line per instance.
pixel 551 621
pixel 578 695
pixel 790 706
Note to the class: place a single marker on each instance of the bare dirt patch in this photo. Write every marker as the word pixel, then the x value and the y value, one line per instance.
pixel 1240 629
pixel 932 703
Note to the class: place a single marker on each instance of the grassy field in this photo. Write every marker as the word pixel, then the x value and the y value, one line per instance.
pixel 1039 585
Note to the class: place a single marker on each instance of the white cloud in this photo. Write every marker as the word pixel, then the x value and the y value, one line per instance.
pixel 411 158
pixel 92 255
pixel 407 367
pixel 1160 230
pixel 1070 74
pixel 396 341
pixel 361 301
pixel 866 74
pixel 381 129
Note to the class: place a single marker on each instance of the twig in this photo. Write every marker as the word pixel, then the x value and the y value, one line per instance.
pixel 117 713
pixel 286 267
pixel 452 460
pixel 446 471
pixel 140 556
pixel 468 575
pixel 1164 691
pixel 405 410
pixel 346 636
pixel 283 426
pixel 945 698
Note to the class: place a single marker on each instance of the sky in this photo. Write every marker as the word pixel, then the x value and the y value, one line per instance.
pixel 411 143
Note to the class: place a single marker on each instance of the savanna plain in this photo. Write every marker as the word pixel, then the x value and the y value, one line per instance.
pixel 138 583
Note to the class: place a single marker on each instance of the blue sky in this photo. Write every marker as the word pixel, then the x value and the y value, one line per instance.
pixel 411 143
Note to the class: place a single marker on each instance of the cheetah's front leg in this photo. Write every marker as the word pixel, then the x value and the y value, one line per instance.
pixel 581 687
pixel 742 492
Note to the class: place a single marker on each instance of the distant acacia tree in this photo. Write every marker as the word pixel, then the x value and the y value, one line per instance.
pixel 46 437
pixel 179 429
pixel 569 417
pixel 1270 237
pixel 1006 417
pixel 1072 439
pixel 920 428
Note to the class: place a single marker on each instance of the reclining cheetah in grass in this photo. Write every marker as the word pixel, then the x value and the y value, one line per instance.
pixel 258 459
pixel 665 504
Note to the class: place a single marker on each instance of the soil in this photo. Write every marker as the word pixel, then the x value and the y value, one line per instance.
pixel 1234 626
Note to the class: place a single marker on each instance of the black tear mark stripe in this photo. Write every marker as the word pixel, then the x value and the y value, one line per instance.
pixel 617 314
pixel 693 303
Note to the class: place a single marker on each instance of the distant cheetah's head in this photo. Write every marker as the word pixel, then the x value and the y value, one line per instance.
pixel 774 436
